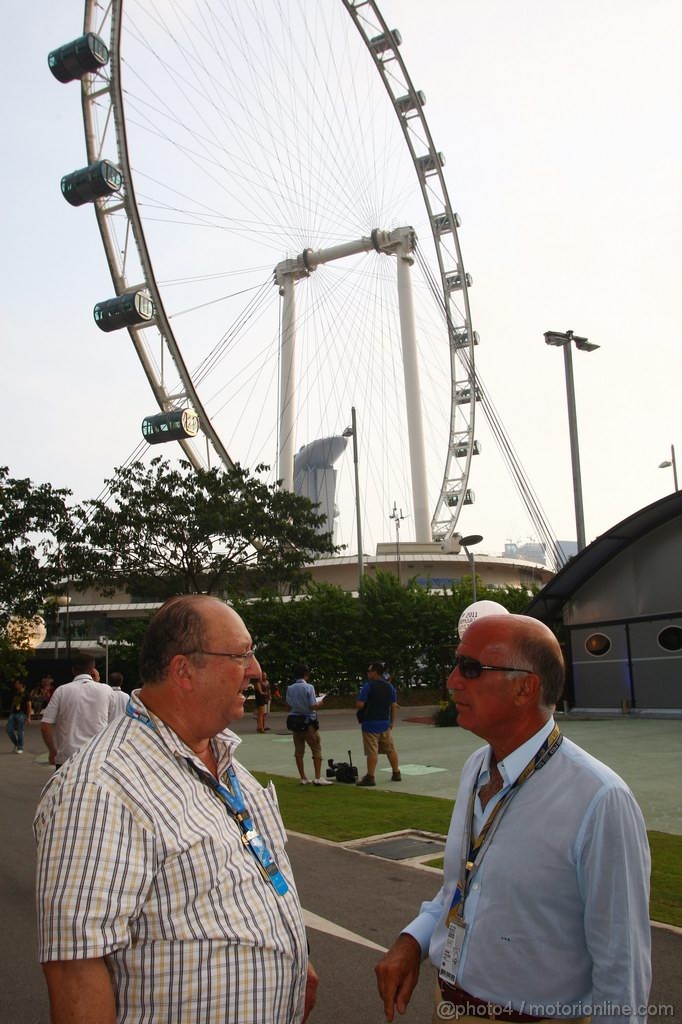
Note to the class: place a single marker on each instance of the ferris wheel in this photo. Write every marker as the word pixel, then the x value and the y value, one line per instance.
pixel 281 241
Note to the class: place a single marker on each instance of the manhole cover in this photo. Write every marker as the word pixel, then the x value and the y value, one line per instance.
pixel 404 847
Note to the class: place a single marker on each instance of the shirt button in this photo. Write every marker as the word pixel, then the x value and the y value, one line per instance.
pixel 475 886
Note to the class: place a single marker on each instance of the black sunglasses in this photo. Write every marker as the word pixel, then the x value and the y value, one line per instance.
pixel 471 668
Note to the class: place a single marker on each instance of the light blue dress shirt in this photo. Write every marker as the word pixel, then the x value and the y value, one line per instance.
pixel 557 912
pixel 300 697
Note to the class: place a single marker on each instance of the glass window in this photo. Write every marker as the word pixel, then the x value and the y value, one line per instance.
pixel 597 644
pixel 670 638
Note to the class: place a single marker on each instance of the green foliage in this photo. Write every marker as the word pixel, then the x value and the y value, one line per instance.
pixel 124 648
pixel 412 629
pixel 35 523
pixel 177 530
pixel 318 627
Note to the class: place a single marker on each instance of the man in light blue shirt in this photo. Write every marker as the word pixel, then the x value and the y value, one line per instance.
pixel 302 722
pixel 543 913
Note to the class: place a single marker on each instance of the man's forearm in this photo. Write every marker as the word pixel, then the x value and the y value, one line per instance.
pixel 46 733
pixel 80 992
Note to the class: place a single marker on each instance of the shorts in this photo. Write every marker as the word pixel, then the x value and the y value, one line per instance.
pixel 311 736
pixel 378 742
pixel 261 700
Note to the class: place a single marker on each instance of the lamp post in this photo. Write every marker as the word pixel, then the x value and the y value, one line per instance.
pixel 671 462
pixel 560 340
pixel 103 641
pixel 398 517
pixel 352 431
pixel 466 543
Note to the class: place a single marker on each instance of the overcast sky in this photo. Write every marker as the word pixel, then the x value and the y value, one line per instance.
pixel 560 122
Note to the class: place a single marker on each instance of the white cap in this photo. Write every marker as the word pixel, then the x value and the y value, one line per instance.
pixel 478 610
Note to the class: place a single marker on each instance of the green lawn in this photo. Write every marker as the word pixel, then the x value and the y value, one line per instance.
pixel 342 812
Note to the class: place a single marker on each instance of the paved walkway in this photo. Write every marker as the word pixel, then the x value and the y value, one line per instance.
pixel 355 904
pixel 644 752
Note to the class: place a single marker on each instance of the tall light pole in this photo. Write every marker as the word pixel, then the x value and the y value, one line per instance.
pixel 671 462
pixel 352 431
pixel 466 543
pixel 560 340
pixel 398 517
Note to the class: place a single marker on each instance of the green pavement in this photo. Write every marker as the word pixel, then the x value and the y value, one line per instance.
pixel 644 752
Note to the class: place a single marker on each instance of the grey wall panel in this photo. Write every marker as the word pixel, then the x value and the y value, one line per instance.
pixel 644 579
pixel 656 673
pixel 601 682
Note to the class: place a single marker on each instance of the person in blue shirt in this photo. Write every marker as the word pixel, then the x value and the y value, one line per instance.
pixel 302 721
pixel 544 909
pixel 377 704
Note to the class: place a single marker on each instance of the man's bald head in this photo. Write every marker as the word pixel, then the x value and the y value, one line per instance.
pixel 178 627
pixel 526 642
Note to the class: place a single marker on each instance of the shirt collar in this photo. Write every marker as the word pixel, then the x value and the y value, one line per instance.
pixel 513 764
pixel 224 743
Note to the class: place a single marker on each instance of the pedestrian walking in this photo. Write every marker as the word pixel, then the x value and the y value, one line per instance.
pixel 20 712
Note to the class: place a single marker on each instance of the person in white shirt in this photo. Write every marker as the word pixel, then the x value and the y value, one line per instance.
pixel 77 711
pixel 120 698
pixel 543 913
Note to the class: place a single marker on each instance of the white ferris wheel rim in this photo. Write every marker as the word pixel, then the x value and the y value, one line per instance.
pixel 105 89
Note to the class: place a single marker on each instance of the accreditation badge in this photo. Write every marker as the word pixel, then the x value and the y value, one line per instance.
pixel 452 951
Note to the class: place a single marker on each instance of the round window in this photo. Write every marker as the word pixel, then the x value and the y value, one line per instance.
pixel 597 644
pixel 670 638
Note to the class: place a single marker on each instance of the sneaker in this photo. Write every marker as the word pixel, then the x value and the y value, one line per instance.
pixel 304 782
pixel 396 777
pixel 323 782
pixel 366 780
pixel 18 751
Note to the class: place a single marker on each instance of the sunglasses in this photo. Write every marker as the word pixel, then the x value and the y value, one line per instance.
pixel 471 668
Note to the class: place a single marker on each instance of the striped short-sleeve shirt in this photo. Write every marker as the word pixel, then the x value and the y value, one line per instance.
pixel 140 863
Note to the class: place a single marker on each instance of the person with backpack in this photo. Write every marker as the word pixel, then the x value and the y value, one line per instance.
pixel 377 705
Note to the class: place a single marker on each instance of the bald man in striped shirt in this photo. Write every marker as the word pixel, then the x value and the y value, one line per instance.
pixel 164 890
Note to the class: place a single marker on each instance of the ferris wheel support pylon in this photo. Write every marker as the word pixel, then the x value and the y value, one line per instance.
pixel 401 243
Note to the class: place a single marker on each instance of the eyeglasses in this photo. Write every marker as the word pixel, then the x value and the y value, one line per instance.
pixel 246 657
pixel 471 668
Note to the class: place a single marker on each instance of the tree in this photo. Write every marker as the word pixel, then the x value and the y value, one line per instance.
pixel 34 524
pixel 179 530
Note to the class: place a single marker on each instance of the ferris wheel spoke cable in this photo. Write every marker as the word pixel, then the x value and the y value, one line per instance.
pixel 526 492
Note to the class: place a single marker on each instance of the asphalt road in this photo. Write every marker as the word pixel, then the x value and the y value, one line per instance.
pixel 369 897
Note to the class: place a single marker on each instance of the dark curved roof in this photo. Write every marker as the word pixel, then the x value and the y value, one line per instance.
pixel 549 603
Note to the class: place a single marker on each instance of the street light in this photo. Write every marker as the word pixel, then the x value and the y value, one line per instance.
pixel 103 641
pixel 671 462
pixel 398 517
pixel 466 543
pixel 352 431
pixel 560 340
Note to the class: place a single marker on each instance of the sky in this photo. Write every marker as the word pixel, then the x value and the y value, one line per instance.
pixel 559 122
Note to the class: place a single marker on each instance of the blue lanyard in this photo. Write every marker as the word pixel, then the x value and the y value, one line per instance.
pixel 229 790
pixel 479 846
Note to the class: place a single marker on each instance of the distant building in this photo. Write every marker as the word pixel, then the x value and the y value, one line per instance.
pixel 315 477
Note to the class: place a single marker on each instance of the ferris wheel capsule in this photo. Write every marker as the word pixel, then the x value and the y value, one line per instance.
pixel 128 310
pixel 92 182
pixel 83 56
pixel 176 425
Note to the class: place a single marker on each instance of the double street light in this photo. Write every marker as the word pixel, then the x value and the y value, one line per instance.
pixel 564 340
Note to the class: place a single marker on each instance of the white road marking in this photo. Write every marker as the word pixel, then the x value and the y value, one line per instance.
pixel 321 924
